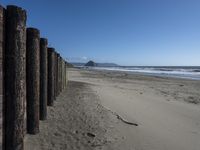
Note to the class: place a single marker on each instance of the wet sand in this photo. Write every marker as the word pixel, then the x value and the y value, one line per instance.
pixel 115 110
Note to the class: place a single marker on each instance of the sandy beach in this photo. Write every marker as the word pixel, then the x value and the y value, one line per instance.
pixel 116 110
pixel 78 121
pixel 100 75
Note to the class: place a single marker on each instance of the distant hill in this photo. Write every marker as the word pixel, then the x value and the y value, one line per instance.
pixel 96 64
pixel 91 64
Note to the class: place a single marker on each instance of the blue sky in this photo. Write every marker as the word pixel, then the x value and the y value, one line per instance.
pixel 126 32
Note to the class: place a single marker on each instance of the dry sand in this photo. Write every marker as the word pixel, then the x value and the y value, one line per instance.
pixel 98 108
pixel 77 122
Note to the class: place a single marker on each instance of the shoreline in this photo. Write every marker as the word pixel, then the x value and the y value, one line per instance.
pixel 165 75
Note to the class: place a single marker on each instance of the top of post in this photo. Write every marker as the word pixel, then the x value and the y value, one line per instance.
pixel 15 11
pixel 16 8
pixel 44 40
pixel 1 7
pixel 33 31
pixel 51 49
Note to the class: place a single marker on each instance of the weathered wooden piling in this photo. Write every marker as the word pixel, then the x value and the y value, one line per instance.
pixel 2 42
pixel 2 39
pixel 66 77
pixel 59 74
pixel 61 71
pixel 33 79
pixel 58 92
pixel 43 78
pixel 14 79
pixel 63 74
pixel 50 76
pixel 55 75
pixel 61 64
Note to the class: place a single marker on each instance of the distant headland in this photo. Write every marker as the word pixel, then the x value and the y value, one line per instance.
pixel 94 64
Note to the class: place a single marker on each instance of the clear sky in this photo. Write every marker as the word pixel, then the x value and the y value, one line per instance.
pixel 126 32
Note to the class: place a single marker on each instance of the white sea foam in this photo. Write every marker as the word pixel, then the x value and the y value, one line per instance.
pixel 178 72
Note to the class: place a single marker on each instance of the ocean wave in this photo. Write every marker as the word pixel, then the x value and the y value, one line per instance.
pixel 179 72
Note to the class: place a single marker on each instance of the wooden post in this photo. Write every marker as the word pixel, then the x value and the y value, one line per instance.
pixel 14 79
pixel 58 82
pixel 43 78
pixel 2 46
pixel 63 76
pixel 50 76
pixel 66 77
pixel 60 63
pixel 59 74
pixel 55 74
pixel 33 79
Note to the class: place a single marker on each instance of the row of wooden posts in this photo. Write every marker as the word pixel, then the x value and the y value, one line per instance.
pixel 33 76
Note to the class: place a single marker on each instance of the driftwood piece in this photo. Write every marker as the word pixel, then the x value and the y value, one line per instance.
pixel 120 118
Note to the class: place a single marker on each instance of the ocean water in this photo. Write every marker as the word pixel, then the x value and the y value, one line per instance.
pixel 192 72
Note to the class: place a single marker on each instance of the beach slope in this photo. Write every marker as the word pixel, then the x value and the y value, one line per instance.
pixel 166 110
